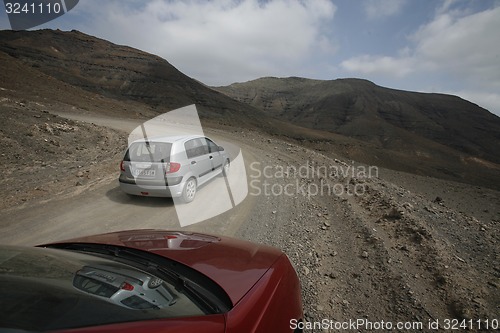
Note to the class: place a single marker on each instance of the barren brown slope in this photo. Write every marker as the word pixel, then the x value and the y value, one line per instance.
pixel 430 134
pixel 121 73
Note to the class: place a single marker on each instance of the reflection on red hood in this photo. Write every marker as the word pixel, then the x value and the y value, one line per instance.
pixel 235 265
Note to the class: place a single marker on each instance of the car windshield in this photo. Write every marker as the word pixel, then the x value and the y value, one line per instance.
pixel 48 289
pixel 149 152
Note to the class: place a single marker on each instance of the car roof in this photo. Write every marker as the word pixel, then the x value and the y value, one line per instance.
pixel 169 139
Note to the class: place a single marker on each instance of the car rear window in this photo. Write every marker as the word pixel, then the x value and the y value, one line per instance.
pixel 95 287
pixel 149 152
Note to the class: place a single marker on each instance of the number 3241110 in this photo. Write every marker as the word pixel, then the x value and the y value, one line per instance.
pixel 480 324
pixel 40 8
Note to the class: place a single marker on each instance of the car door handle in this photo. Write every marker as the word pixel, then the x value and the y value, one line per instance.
pixel 193 162
pixel 211 157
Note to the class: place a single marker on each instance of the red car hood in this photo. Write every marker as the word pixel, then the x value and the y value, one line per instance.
pixel 233 264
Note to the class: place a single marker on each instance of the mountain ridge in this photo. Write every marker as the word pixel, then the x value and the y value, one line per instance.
pixel 361 109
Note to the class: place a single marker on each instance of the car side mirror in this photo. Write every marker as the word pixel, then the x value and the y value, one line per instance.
pixel 221 148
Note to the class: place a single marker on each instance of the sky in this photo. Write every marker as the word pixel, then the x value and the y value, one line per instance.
pixel 442 46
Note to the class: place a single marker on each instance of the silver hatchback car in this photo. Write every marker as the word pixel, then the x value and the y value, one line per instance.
pixel 172 166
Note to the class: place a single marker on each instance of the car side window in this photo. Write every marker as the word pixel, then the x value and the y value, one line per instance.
pixel 212 147
pixel 204 146
pixel 196 147
pixel 190 147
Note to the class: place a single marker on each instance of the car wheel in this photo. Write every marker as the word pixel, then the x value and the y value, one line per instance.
pixel 189 190
pixel 225 168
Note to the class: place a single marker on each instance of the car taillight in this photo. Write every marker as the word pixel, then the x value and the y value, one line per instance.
pixel 172 167
pixel 127 286
pixel 122 167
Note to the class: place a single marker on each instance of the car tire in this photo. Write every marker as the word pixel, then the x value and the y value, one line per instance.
pixel 189 191
pixel 225 168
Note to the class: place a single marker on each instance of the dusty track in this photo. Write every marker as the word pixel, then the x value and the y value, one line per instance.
pixel 102 207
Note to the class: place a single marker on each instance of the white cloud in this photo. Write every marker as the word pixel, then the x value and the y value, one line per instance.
pixel 218 41
pixel 466 47
pixel 461 47
pixel 445 7
pixel 380 65
pixel 379 9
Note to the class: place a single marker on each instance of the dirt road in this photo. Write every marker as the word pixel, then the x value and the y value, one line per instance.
pixel 103 207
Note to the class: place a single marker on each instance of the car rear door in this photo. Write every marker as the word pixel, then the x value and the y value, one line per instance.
pixel 215 155
pixel 199 159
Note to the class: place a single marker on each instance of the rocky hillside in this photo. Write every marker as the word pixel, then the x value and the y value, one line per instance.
pixel 386 117
pixel 121 73
pixel 429 134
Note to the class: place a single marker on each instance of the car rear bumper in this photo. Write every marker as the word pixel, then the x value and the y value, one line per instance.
pixel 171 191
